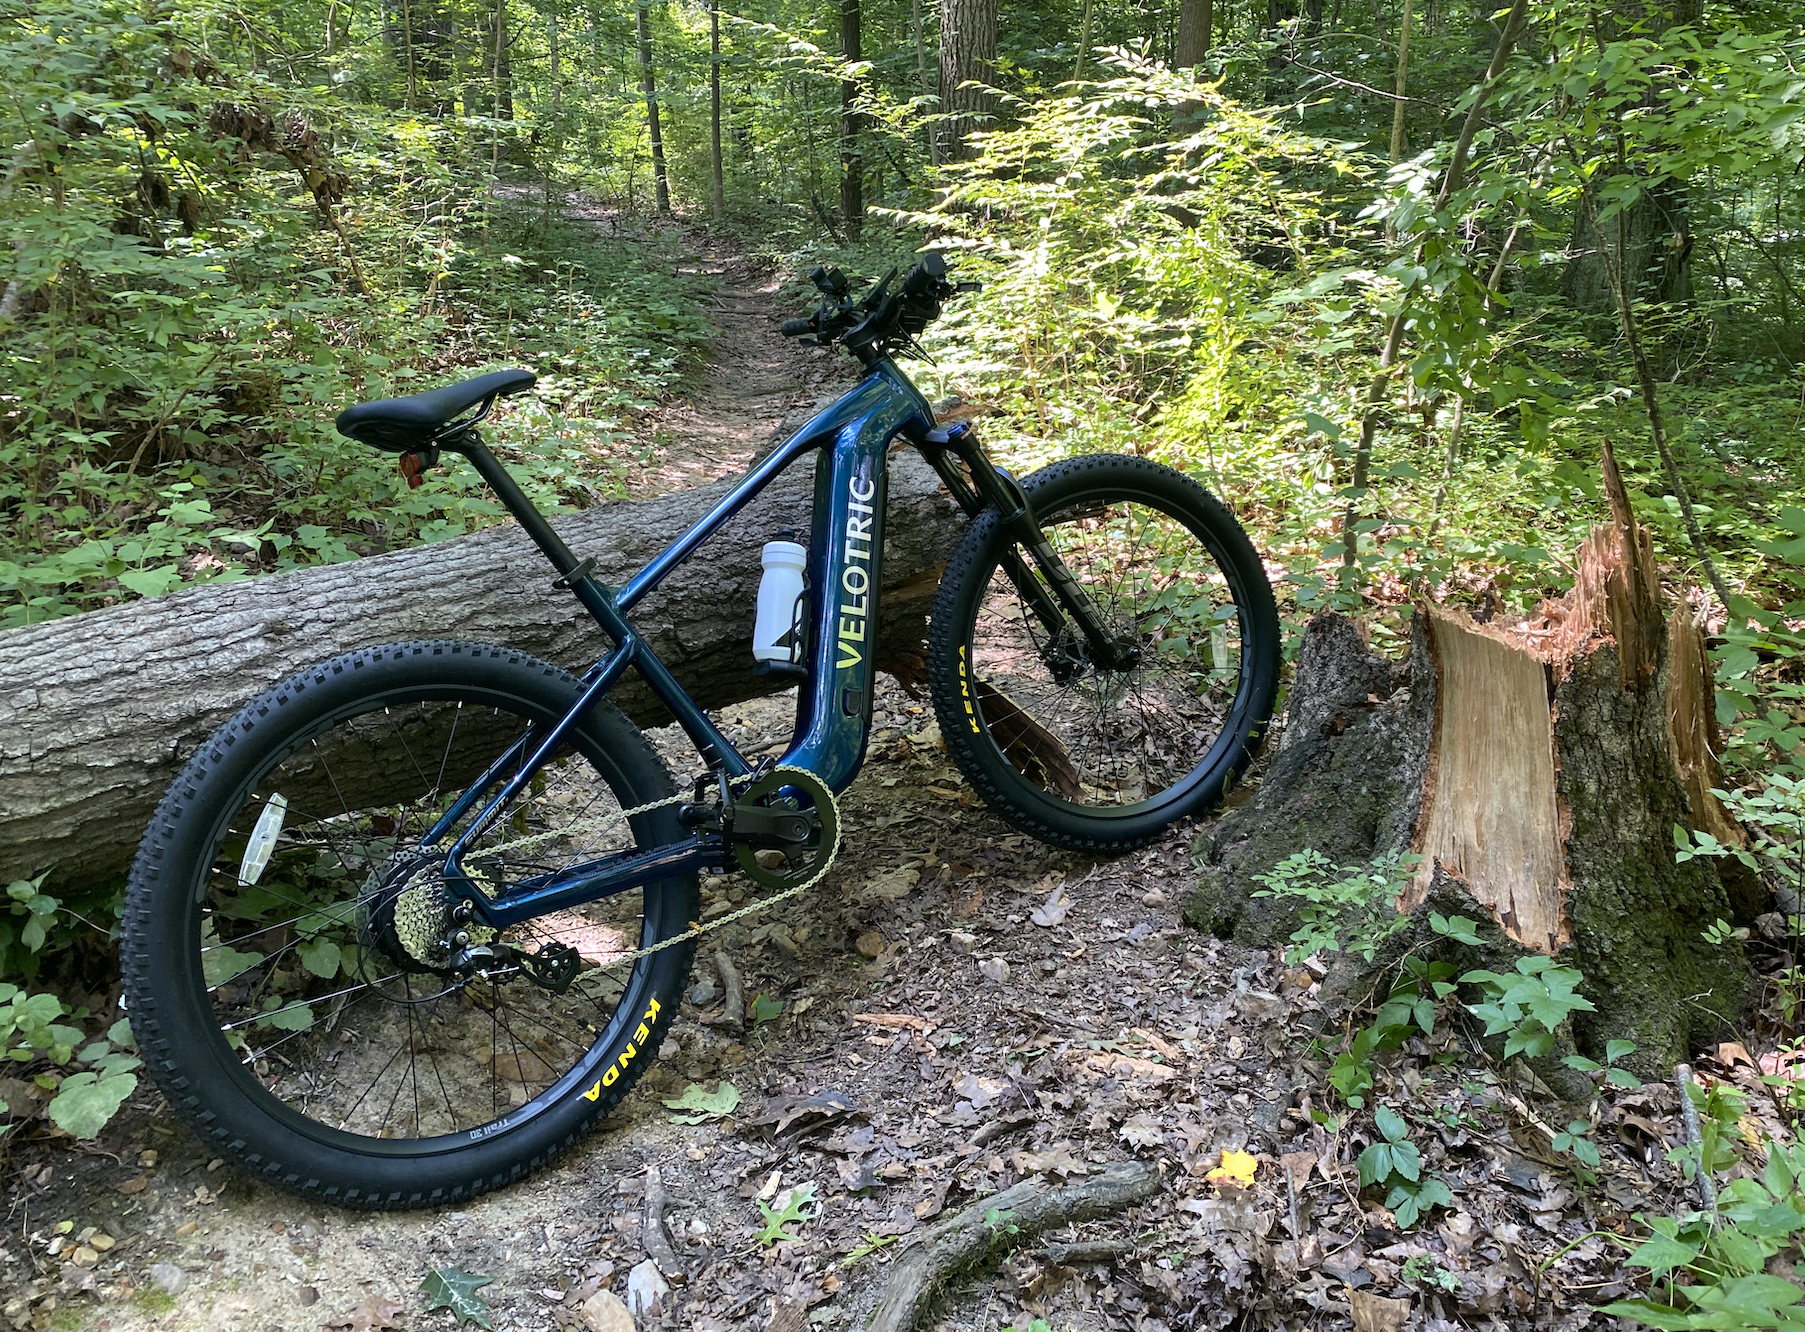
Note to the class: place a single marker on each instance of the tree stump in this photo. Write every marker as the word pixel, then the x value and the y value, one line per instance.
pixel 99 711
pixel 1539 767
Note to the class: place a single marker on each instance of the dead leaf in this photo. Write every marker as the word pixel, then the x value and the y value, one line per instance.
pixel 137 1185
pixel 1376 1313
pixel 1788 1064
pixel 1143 1130
pixel 1237 1169
pixel 813 1111
pixel 374 1314
pixel 908 1020
pixel 1055 1161
pixel 892 885
pixel 1127 1067
pixel 1299 1164
pixel 870 945
pixel 1053 911
pixel 979 1091
pixel 1732 1053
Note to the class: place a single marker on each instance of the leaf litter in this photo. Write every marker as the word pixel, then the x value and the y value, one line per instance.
pixel 894 1089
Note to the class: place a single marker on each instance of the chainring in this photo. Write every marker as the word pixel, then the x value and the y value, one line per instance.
pixel 817 854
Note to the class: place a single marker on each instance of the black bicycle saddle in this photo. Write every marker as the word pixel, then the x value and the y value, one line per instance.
pixel 401 425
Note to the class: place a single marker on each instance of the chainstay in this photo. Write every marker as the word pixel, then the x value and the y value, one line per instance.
pixel 697 930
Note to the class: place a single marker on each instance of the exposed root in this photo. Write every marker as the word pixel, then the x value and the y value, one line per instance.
pixel 1015 1215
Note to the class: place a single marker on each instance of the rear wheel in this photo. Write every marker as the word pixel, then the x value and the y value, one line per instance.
pixel 289 952
pixel 1059 744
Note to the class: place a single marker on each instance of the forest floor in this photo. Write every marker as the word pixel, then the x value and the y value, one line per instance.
pixel 958 1008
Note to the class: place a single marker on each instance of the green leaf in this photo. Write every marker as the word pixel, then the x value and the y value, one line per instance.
pixel 1660 1254
pixel 455 1289
pixel 766 1009
pixel 320 956
pixel 704 1105
pixel 794 1209
pixel 1615 1050
pixel 1391 1124
pixel 288 1017
pixel 86 1101
pixel 220 964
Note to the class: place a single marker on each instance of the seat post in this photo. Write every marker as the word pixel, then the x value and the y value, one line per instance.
pixel 490 468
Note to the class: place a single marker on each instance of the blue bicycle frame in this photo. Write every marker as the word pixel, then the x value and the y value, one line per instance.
pixel 845 572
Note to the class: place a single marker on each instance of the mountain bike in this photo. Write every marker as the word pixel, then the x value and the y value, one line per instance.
pixel 418 916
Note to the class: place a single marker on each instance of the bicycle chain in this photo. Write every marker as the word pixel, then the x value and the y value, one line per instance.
pixel 696 929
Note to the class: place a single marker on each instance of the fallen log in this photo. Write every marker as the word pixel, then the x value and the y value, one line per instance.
pixel 1538 767
pixel 99 711
pixel 1006 1220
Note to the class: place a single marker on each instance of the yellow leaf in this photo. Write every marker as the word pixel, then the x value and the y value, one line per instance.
pixel 1237 1169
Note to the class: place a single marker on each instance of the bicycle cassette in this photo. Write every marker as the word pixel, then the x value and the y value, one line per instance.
pixel 801 863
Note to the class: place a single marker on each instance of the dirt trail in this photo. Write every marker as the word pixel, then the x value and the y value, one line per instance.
pixel 937 1040
pixel 755 386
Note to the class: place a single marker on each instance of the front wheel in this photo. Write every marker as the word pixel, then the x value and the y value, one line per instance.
pixel 1062 746
pixel 288 940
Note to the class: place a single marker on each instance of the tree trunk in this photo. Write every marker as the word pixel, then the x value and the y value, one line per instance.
pixel 1195 18
pixel 504 64
pixel 1399 84
pixel 1657 258
pixel 99 711
pixel 714 109
pixel 931 132
pixel 968 53
pixel 1539 768
pixel 648 85
pixel 852 163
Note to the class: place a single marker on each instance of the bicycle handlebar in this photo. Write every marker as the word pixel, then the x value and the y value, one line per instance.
pixel 885 319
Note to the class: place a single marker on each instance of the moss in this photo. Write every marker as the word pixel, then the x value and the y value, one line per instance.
pixel 153 1302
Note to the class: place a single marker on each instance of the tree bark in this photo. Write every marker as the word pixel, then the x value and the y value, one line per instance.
pixel 1656 259
pixel 852 162
pixel 1539 768
pixel 1195 19
pixel 1399 84
pixel 648 85
pixel 714 109
pixel 99 711
pixel 968 53
pixel 931 132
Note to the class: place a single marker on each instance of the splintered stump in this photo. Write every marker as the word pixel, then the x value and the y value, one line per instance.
pixel 1539 767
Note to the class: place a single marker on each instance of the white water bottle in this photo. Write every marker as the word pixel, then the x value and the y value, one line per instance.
pixel 776 634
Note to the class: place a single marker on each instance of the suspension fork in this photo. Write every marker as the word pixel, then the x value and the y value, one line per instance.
pixel 1060 595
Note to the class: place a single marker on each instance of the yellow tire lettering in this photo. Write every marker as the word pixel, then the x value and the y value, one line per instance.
pixel 593 1092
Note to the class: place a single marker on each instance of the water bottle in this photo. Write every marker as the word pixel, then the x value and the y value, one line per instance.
pixel 777 634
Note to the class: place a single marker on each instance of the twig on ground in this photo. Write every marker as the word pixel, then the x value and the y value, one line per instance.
pixel 1297 1234
pixel 1083 1251
pixel 1005 1219
pixel 657 1241
pixel 733 992
pixel 1682 1076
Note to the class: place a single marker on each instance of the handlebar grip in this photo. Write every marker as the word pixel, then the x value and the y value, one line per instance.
pixel 796 328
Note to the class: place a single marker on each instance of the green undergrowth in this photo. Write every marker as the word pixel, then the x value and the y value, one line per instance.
pixel 206 280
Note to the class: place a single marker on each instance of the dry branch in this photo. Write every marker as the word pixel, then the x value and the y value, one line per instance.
pixel 99 711
pixel 1021 1211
